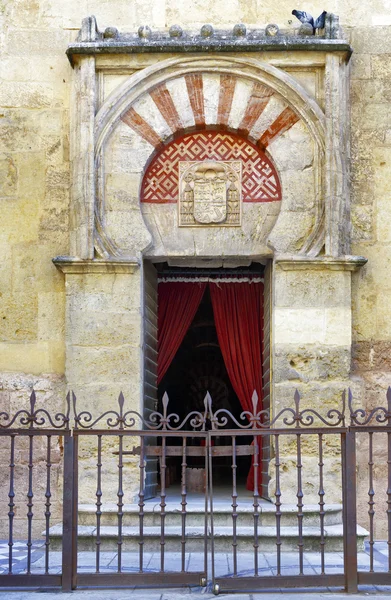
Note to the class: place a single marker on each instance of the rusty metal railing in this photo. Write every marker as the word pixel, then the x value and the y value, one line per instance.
pixel 138 455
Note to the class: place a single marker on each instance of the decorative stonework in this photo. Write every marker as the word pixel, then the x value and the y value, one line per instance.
pixel 260 182
pixel 209 193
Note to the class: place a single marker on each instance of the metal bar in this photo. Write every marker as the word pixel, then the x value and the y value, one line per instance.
pixel 389 499
pixel 98 503
pixel 348 451
pixel 238 584
pixel 191 451
pixel 321 503
pixel 377 578
pixel 165 433
pixel 145 580
pixel 183 504
pixel 11 503
pixel 75 501
pixel 234 508
pixel 288 431
pixel 256 507
pixel 68 532
pixel 120 504
pixel 371 502
pixel 277 495
pixel 30 504
pixel 29 581
pixel 299 495
pixel 31 432
pixel 210 496
pixel 162 502
pixel 48 496
pixel 141 504
pixel 207 446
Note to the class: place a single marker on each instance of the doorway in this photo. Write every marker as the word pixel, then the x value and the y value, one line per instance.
pixel 199 366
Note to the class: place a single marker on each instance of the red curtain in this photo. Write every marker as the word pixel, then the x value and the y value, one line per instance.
pixel 177 305
pixel 237 309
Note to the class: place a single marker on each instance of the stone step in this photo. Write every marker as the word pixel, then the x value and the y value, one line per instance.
pixel 222 515
pixel 195 538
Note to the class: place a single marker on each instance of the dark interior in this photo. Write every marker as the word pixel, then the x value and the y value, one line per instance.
pixel 199 367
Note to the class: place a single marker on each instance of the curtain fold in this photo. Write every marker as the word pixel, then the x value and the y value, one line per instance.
pixel 177 305
pixel 238 311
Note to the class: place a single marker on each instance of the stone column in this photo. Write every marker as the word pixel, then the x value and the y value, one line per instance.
pixel 311 352
pixel 104 353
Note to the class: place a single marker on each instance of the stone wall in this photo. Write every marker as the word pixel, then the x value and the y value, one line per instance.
pixel 371 237
pixel 35 93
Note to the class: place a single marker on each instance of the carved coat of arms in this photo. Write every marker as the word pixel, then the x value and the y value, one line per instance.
pixel 209 193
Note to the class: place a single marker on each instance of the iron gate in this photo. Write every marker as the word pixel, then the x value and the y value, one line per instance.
pixel 177 539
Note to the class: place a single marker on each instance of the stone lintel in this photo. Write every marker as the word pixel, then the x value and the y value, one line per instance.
pixel 68 264
pixel 343 263
pixel 135 45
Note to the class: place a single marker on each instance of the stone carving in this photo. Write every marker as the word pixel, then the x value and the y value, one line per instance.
pixel 207 31
pixel 175 31
pixel 210 193
pixel 272 30
pixel 144 32
pixel 239 30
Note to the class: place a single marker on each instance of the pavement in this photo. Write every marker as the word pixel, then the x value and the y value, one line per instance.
pixel 194 562
pixel 188 594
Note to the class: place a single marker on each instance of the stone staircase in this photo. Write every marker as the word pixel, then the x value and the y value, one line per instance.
pixel 195 511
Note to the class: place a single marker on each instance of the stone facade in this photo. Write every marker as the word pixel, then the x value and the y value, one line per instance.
pixel 75 142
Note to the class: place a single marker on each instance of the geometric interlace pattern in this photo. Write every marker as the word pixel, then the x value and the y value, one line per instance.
pixel 260 182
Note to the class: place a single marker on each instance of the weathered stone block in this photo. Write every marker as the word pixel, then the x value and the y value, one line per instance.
pixel 93 328
pixel 300 289
pixel 308 364
pixel 102 365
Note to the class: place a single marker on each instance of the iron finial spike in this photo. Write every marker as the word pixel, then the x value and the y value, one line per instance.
pixel 254 400
pixel 350 404
pixel 75 415
pixel 121 401
pixel 68 409
pixel 165 401
pixel 343 404
pixel 33 400
pixel 206 402
pixel 388 395
pixel 297 399
pixel 208 399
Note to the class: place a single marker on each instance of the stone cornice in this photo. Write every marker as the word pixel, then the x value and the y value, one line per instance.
pixel 140 46
pixel 68 264
pixel 342 263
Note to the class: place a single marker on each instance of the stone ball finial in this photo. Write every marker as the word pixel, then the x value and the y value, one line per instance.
pixel 306 29
pixel 239 30
pixel 272 29
pixel 207 31
pixel 175 31
pixel 110 33
pixel 144 31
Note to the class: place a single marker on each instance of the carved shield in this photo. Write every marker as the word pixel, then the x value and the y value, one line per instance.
pixel 210 199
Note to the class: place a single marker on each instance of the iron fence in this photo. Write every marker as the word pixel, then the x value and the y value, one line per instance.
pixel 180 537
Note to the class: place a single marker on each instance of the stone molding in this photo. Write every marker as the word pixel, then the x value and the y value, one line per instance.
pixel 143 82
pixel 260 45
pixel 331 194
pixel 208 39
pixel 76 266
pixel 343 263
